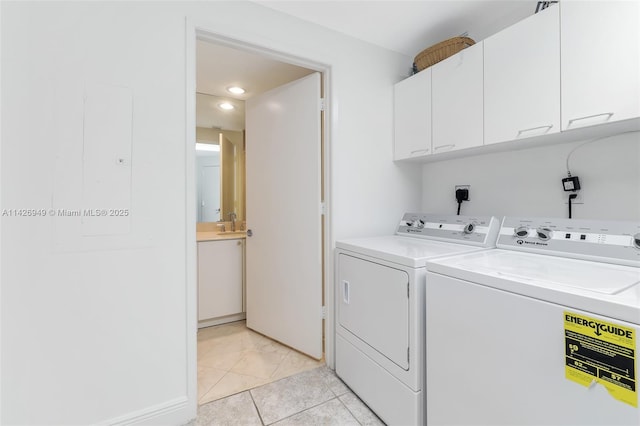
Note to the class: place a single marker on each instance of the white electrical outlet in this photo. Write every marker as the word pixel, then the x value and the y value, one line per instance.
pixel 578 200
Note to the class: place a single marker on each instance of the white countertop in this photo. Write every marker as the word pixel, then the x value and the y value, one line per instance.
pixel 216 235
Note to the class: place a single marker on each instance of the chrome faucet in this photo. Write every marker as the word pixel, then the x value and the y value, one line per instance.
pixel 232 218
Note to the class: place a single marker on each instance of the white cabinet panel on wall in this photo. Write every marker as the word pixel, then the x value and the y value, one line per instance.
pixel 220 278
pixel 600 45
pixel 412 116
pixel 457 105
pixel 522 79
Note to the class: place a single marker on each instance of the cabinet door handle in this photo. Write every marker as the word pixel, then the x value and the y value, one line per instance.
pixel 607 116
pixel 547 127
pixel 345 291
pixel 419 151
pixel 447 146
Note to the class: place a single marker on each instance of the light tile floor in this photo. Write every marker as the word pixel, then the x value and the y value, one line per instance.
pixel 232 359
pixel 245 378
pixel 313 397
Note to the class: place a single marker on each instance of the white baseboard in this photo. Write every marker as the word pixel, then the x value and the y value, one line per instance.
pixel 173 412
pixel 221 320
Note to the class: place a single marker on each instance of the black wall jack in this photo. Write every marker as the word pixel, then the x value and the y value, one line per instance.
pixel 462 194
pixel 572 184
pixel 571 197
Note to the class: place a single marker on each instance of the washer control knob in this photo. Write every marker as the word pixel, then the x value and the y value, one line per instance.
pixel 544 233
pixel 636 240
pixel 469 228
pixel 521 231
pixel 415 224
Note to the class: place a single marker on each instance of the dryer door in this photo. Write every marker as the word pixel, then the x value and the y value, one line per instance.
pixel 373 304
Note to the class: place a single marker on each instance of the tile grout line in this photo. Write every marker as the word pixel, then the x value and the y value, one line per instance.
pixel 211 388
pixel 256 406
pixel 227 371
pixel 228 396
pixel 279 365
pixel 251 388
pixel 335 396
pixel 307 409
pixel 350 412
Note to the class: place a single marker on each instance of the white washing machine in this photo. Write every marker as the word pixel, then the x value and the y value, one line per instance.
pixel 541 331
pixel 380 284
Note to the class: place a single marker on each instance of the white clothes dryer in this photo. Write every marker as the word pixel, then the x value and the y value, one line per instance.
pixel 380 328
pixel 541 331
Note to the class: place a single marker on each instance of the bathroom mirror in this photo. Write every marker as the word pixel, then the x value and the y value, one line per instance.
pixel 220 159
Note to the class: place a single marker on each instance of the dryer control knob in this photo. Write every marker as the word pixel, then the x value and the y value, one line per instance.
pixel 521 231
pixel 469 228
pixel 544 233
pixel 636 240
pixel 418 224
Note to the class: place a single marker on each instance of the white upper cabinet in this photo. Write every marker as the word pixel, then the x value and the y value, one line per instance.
pixel 412 116
pixel 600 45
pixel 575 65
pixel 457 101
pixel 522 79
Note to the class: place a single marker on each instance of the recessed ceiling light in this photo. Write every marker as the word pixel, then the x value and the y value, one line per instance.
pixel 235 90
pixel 226 105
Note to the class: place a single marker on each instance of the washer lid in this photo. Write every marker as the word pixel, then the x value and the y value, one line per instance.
pixel 602 288
pixel 407 251
pixel 553 271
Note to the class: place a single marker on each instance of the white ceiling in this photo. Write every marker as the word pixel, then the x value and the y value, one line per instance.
pixel 406 27
pixel 210 115
pixel 219 67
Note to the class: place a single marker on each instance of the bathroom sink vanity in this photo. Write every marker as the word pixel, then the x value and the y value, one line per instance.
pixel 220 277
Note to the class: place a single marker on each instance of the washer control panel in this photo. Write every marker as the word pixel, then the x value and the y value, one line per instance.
pixel 606 241
pixel 475 230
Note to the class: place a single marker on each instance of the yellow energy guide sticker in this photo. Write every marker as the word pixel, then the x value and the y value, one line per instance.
pixel 597 351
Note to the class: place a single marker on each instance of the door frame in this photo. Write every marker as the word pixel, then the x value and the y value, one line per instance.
pixel 203 31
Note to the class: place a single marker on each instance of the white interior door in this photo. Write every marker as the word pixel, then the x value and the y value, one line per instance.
pixel 284 253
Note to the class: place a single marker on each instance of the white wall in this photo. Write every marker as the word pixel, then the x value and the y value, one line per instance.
pixel 528 182
pixel 95 329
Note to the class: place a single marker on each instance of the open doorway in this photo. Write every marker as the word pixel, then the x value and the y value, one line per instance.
pixel 218 68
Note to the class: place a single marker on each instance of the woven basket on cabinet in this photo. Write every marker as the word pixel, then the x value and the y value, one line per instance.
pixel 440 51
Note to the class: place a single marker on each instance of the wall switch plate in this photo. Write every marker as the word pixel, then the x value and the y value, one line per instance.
pixel 467 187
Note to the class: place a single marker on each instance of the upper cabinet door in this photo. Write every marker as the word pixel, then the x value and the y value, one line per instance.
pixel 457 104
pixel 412 116
pixel 600 54
pixel 522 79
